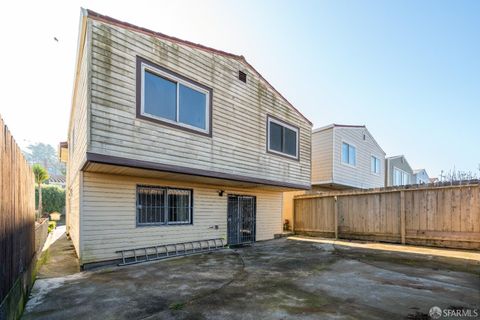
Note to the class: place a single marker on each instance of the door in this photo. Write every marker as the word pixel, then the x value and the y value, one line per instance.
pixel 241 219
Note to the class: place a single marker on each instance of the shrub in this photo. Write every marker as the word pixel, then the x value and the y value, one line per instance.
pixel 53 199
pixel 51 225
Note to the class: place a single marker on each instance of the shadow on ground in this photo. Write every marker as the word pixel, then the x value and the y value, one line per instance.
pixel 279 279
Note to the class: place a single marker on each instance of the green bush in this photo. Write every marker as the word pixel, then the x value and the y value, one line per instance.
pixel 51 225
pixel 53 199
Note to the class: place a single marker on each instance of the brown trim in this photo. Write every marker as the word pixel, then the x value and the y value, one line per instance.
pixel 99 17
pixel 138 87
pixel 297 158
pixel 64 144
pixel 141 164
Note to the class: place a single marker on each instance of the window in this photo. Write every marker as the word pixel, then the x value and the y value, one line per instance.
pixel 349 154
pixel 172 99
pixel 282 138
pixel 163 206
pixel 400 177
pixel 375 165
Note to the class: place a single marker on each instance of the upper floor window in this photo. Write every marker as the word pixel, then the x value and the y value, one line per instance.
pixel 163 206
pixel 282 138
pixel 173 99
pixel 375 165
pixel 349 154
pixel 400 177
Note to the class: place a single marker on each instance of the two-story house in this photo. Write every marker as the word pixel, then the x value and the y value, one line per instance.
pixel 346 156
pixel 398 171
pixel 171 141
pixel 420 176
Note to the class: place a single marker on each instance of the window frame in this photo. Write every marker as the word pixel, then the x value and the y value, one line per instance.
pixel 282 123
pixel 403 175
pixel 341 154
pixel 166 224
pixel 379 165
pixel 142 65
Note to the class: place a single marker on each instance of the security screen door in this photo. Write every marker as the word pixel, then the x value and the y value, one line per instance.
pixel 241 219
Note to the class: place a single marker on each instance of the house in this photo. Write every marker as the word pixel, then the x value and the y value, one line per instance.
pixel 346 156
pixel 398 171
pixel 420 176
pixel 171 141
pixel 56 180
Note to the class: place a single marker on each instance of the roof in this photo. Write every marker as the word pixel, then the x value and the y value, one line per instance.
pixel 347 126
pixel 400 156
pixel 97 16
pixel 56 179
pixel 336 125
pixel 416 171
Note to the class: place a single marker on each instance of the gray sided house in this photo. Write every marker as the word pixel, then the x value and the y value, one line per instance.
pixel 420 176
pixel 346 156
pixel 399 172
pixel 171 141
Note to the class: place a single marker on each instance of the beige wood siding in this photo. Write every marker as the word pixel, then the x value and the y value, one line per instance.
pixel 360 175
pixel 73 212
pixel 238 144
pixel 322 156
pixel 77 144
pixel 109 215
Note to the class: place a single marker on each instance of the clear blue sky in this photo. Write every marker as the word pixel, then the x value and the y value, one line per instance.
pixel 409 70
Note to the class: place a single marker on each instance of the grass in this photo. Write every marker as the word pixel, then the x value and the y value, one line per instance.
pixel 51 225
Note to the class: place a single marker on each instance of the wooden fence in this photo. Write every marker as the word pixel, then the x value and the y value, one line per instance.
pixel 442 215
pixel 17 215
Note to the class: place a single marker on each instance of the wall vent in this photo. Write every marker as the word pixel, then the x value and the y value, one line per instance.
pixel 242 76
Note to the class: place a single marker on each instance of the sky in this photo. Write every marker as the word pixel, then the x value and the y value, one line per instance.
pixel 408 70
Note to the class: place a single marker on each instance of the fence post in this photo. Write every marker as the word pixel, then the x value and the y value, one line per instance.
pixel 336 217
pixel 402 216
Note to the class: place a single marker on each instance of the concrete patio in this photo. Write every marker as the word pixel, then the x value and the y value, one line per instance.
pixel 299 278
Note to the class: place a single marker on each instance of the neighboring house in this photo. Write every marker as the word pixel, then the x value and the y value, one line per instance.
pixel 171 141
pixel 420 176
pixel 398 171
pixel 346 156
pixel 433 180
pixel 56 180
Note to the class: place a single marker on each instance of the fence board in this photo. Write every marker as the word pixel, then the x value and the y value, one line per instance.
pixel 446 216
pixel 17 212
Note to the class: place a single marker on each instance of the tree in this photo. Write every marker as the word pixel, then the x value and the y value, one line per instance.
pixel 40 176
pixel 45 155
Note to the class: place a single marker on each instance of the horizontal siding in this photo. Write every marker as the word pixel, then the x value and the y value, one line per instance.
pixel 109 215
pixel 401 164
pixel 238 144
pixel 322 156
pixel 73 214
pixel 359 176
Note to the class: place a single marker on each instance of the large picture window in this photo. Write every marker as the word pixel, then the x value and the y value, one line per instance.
pixel 282 138
pixel 163 206
pixel 172 99
pixel 400 177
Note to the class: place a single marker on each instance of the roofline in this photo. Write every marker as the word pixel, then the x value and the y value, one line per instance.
pixel 97 16
pixel 336 125
pixel 399 156
pixel 347 126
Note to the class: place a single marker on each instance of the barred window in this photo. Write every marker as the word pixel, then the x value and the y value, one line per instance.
pixel 163 206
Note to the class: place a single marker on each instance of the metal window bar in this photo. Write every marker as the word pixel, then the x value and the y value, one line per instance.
pixel 162 206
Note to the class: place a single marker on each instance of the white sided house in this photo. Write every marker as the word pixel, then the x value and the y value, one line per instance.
pixel 346 156
pixel 171 142
pixel 420 176
pixel 398 171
